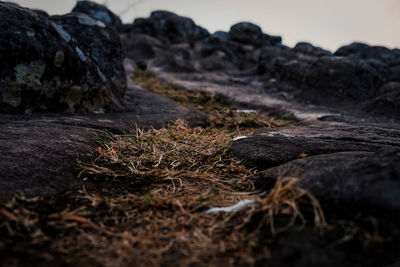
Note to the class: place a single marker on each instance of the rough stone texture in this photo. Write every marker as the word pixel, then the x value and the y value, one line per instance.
pixel 274 147
pixel 387 103
pixel 332 80
pixel 309 49
pixel 101 43
pixel 168 27
pixel 98 12
pixel 350 183
pixel 48 69
pixel 39 153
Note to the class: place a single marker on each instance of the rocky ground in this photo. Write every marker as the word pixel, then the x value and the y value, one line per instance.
pixel 116 138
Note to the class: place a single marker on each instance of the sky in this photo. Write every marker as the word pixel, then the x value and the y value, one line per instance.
pixel 326 23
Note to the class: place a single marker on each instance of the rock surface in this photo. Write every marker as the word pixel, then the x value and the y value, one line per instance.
pixel 98 12
pixel 51 70
pixel 40 152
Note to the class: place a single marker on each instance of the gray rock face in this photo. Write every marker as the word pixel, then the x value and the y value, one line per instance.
pixel 98 12
pixel 50 70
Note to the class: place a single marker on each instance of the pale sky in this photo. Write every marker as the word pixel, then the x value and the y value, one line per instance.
pixel 327 23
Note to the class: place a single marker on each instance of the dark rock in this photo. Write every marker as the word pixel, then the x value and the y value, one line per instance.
pixel 272 40
pixel 170 27
pixel 176 59
pixel 40 152
pixel 387 103
pixel 350 182
pixel 102 44
pixel 247 33
pixel 274 147
pixel 363 51
pixel 47 69
pixel 309 49
pixel 200 33
pixel 284 64
pixel 143 26
pixel 99 12
pixel 42 13
pixel 140 46
pixel 339 80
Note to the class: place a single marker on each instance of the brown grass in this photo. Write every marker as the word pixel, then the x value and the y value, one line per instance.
pixel 176 174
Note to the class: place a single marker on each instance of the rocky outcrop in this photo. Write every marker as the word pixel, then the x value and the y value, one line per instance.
pixel 168 27
pixel 102 44
pixel 98 12
pixel 69 64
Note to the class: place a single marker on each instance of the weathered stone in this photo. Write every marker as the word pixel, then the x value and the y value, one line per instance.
pixel 364 51
pixel 39 153
pixel 387 103
pixel 140 46
pixel 309 49
pixel 274 147
pixel 247 33
pixel 339 80
pixel 98 12
pixel 349 183
pixel 176 59
pixel 100 43
pixel 48 69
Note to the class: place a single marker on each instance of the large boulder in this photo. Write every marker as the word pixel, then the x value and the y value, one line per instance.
pixel 350 183
pixel 364 51
pixel 387 60
pixel 340 80
pixel 101 43
pixel 309 49
pixel 249 33
pixel 98 12
pixel 387 103
pixel 168 27
pixel 49 69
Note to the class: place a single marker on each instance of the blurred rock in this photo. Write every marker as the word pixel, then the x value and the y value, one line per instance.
pixel 98 12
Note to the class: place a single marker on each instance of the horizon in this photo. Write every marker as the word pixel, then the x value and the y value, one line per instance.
pixel 320 22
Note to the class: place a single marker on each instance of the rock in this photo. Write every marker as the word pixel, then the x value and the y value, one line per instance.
pixel 47 69
pixel 363 51
pixel 273 147
pixel 176 59
pixel 101 43
pixel 39 153
pixel 99 12
pixel 140 46
pixel 387 103
pixel 144 26
pixel 309 49
pixel 247 33
pixel 177 29
pixel 339 80
pixel 388 60
pixel 350 183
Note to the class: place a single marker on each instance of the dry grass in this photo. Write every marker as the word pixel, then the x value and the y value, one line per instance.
pixel 177 173
pixel 220 114
pixel 190 172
